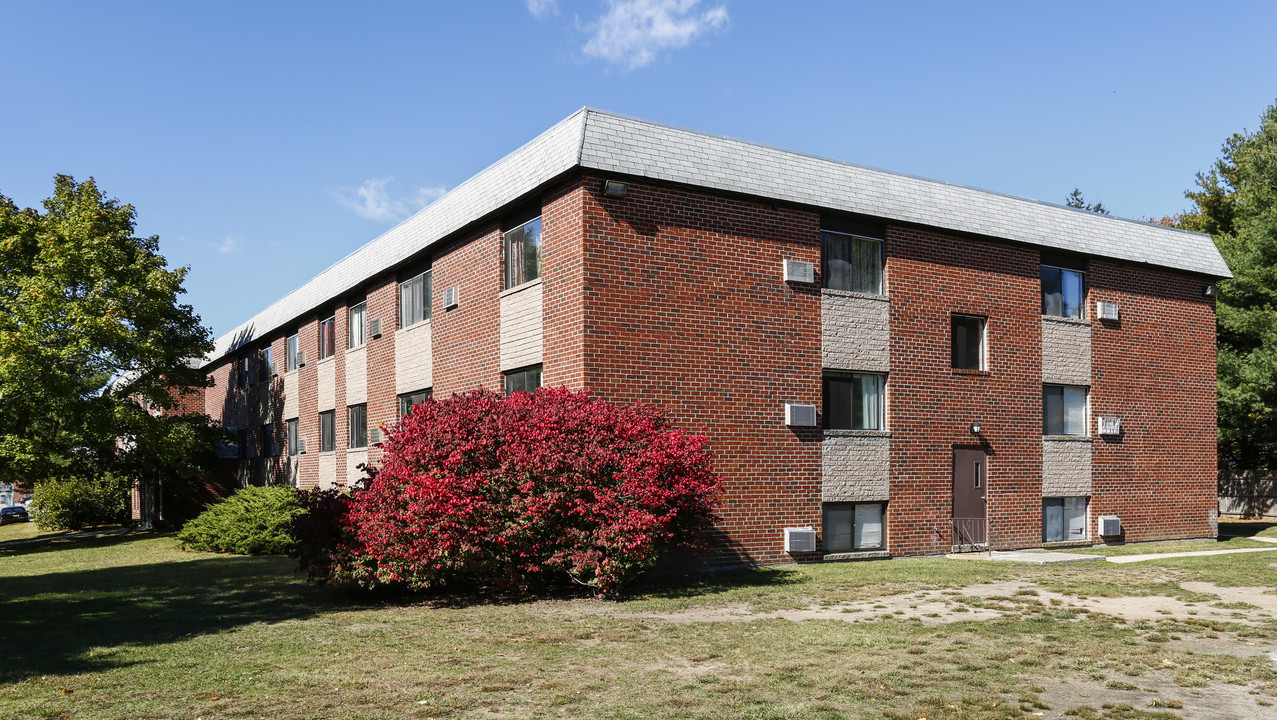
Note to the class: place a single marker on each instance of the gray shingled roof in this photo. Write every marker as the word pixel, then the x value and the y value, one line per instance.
pixel 606 142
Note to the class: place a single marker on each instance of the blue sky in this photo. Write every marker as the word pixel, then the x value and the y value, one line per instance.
pixel 264 141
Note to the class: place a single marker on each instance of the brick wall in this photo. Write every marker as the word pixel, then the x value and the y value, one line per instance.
pixel 1155 369
pixel 465 340
pixel 686 309
pixel 929 278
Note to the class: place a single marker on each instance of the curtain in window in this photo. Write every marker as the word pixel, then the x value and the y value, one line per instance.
pixel 1074 411
pixel 868 526
pixel 853 263
pixel 867 399
pixel 355 329
pixel 523 253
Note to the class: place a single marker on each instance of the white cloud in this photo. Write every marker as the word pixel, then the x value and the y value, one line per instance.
pixel 542 8
pixel 371 200
pixel 229 245
pixel 633 32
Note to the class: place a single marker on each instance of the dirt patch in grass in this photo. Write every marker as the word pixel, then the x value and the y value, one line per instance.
pixel 1149 696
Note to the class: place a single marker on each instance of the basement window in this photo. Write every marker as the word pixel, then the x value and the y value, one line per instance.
pixel 523 253
pixel 1064 518
pixel 853 401
pixel 523 380
pixel 853 526
pixel 1063 410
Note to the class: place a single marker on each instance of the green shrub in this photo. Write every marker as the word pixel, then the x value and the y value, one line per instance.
pixel 252 521
pixel 78 503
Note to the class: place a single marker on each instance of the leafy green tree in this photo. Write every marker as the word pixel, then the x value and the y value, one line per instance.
pixel 92 341
pixel 1075 200
pixel 1236 202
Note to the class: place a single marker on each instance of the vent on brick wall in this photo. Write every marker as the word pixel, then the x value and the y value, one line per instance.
pixel 451 297
pixel 374 328
pixel 1110 426
pixel 1110 526
pixel 800 540
pixel 1107 310
pixel 799 271
pixel 800 415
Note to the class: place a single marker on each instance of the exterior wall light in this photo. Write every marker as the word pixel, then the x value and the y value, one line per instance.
pixel 615 188
pixel 1209 291
pixel 974 427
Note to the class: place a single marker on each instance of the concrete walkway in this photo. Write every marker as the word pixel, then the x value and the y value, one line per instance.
pixel 1032 557
pixel 1199 553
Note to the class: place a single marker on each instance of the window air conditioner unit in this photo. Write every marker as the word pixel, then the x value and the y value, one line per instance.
pixel 1110 426
pixel 1110 526
pixel 1107 310
pixel 374 328
pixel 800 415
pixel 800 540
pixel 451 297
pixel 301 446
pixel 301 358
pixel 374 436
pixel 799 271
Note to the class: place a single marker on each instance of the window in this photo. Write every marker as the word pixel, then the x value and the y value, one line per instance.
pixel 408 401
pixel 968 342
pixel 290 353
pixel 294 438
pixel 357 327
pixel 268 441
pixel 1064 519
pixel 243 371
pixel 853 401
pixel 852 262
pixel 525 380
pixel 1063 410
pixel 328 431
pixel 1062 291
pixel 853 526
pixel 523 253
pixel 358 423
pixel 264 369
pixel 414 300
pixel 241 443
pixel 327 337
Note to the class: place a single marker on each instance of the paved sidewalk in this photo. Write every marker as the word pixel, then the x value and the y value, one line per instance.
pixel 59 538
pixel 1032 557
pixel 1199 553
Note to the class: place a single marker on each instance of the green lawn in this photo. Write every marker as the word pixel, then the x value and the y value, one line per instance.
pixel 131 627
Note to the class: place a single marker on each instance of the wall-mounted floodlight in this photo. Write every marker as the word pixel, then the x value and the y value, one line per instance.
pixel 974 427
pixel 1209 291
pixel 615 188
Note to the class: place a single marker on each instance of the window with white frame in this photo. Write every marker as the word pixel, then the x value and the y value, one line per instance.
pixel 328 431
pixel 358 417
pixel 1063 410
pixel 853 401
pixel 522 253
pixel 414 300
pixel 357 326
pixel 290 353
pixel 327 337
pixel 968 342
pixel 524 380
pixel 1062 292
pixel 294 437
pixel 1064 518
pixel 853 526
pixel 852 262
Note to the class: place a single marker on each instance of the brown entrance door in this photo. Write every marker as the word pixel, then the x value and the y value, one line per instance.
pixel 970 476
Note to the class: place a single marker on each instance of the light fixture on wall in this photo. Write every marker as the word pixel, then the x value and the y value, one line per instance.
pixel 615 188
pixel 974 427
pixel 1209 291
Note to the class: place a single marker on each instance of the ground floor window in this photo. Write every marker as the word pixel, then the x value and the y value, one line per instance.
pixel 1064 518
pixel 853 526
pixel 523 380
pixel 408 401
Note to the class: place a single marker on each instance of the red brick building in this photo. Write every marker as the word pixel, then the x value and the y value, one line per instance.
pixel 901 365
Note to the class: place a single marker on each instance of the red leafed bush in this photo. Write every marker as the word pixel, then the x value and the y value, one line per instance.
pixel 525 492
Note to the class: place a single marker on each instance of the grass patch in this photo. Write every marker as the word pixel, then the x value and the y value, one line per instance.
pixel 134 628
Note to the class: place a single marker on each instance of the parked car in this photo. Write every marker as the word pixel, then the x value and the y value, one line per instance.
pixel 14 513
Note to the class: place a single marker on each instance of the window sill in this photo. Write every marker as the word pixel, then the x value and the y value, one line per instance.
pixel 1066 438
pixel 520 288
pixel 970 373
pixel 414 326
pixel 858 555
pixel 1066 320
pixel 843 432
pixel 854 294
pixel 361 448
pixel 328 359
pixel 357 347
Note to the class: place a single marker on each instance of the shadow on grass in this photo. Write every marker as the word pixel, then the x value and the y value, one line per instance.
pixel 52 620
pixel 691 585
pixel 1245 528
